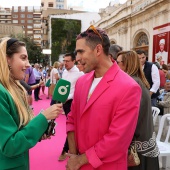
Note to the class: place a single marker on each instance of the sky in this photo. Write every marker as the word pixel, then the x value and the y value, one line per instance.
pixel 88 5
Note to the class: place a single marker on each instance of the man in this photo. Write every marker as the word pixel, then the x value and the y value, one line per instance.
pixel 71 74
pixel 162 55
pixel 152 75
pixel 104 110
pixel 37 75
pixel 113 50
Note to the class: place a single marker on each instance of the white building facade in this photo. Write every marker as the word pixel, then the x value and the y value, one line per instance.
pixel 132 24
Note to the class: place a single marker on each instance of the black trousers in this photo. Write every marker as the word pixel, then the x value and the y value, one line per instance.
pixel 36 91
pixel 66 108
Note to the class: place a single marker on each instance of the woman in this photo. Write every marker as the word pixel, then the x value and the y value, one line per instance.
pixel 144 136
pixel 19 130
pixel 54 76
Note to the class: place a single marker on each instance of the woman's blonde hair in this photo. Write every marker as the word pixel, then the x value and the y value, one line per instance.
pixel 132 65
pixel 56 64
pixel 13 86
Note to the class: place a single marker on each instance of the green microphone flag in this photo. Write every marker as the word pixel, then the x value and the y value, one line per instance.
pixel 61 90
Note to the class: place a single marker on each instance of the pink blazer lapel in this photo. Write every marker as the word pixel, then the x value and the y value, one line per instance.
pixel 97 93
pixel 104 84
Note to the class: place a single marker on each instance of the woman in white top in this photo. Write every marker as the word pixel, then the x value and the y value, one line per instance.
pixel 54 77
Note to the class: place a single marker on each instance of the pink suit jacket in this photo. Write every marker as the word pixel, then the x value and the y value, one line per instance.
pixel 104 125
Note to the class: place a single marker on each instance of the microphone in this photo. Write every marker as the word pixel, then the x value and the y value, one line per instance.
pixel 60 94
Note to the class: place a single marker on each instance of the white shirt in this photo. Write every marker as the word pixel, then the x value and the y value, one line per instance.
pixel 93 86
pixel 155 78
pixel 52 75
pixel 72 76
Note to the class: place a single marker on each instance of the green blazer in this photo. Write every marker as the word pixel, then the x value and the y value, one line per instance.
pixel 14 142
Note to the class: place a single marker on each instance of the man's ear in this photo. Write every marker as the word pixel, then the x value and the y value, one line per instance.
pixel 99 48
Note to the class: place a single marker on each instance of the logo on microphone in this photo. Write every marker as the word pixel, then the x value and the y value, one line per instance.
pixel 63 90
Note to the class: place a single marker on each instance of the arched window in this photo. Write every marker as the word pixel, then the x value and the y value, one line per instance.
pixel 142 40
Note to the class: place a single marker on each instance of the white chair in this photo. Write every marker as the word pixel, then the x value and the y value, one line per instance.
pixel 164 146
pixel 155 112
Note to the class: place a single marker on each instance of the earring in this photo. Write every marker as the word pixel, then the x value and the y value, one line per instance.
pixel 9 67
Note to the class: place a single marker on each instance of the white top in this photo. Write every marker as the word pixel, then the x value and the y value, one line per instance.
pixel 52 75
pixel 93 86
pixel 155 78
pixel 72 76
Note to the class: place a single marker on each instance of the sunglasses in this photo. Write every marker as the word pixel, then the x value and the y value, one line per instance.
pixel 95 31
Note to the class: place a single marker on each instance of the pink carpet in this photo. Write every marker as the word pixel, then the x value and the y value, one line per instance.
pixel 44 156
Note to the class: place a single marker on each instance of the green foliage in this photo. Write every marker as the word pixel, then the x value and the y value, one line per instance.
pixel 64 32
pixel 34 51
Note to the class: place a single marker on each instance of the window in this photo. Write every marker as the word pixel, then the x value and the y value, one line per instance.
pixel 143 40
pixel 29 26
pixel 30 8
pixel 15 21
pixel 22 21
pixel 37 31
pixel 15 9
pixel 29 21
pixel 15 16
pixel 23 9
pixel 30 32
pixel 37 25
pixel 37 21
pixel 60 6
pixel 29 16
pixel 50 4
pixel 22 15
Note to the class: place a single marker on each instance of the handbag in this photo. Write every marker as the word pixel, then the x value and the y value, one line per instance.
pixel 47 83
pixel 133 158
pixel 51 89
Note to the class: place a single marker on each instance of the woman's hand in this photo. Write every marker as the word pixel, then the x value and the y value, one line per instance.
pixel 53 111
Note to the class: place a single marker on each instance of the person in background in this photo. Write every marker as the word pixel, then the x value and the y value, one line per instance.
pixel 148 151
pixel 164 99
pixel 61 69
pixel 152 75
pixel 19 129
pixel 54 77
pixel 162 76
pixel 30 80
pixel 113 50
pixel 43 77
pixel 166 72
pixel 71 74
pixel 37 75
pixel 48 77
pixel 105 108
pixel 78 64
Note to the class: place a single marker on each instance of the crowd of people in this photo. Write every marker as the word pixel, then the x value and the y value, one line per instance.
pixel 112 94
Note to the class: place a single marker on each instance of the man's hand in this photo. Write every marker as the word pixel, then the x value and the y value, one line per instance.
pixel 151 93
pixel 76 161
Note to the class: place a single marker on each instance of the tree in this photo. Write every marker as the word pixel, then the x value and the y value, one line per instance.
pixel 64 32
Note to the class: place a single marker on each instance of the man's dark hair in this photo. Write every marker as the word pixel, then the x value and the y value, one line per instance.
pixel 72 55
pixel 140 52
pixel 114 49
pixel 94 37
